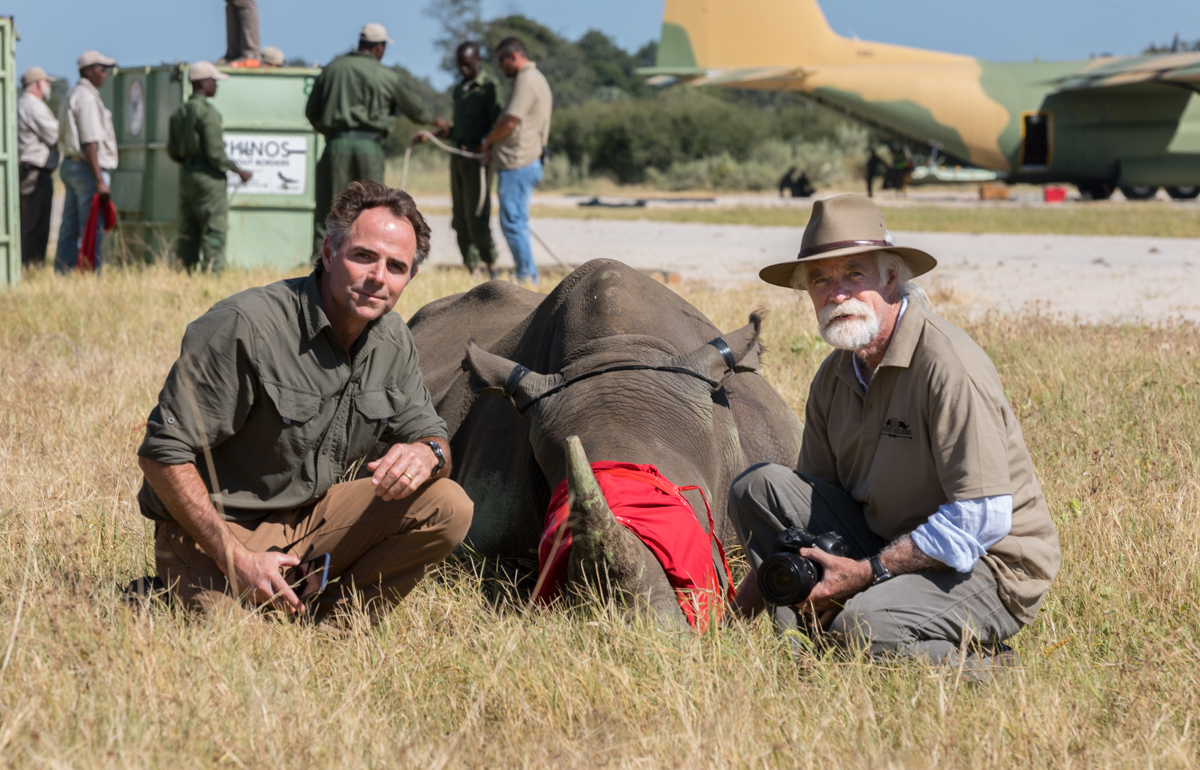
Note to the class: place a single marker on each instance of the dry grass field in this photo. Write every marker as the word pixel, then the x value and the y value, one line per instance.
pixel 1109 673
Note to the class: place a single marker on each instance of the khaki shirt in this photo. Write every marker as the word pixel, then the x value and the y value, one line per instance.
pixel 85 119
pixel 285 410
pixel 37 131
pixel 356 93
pixel 195 137
pixel 532 102
pixel 932 427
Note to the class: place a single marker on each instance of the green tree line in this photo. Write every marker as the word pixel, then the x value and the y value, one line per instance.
pixel 608 121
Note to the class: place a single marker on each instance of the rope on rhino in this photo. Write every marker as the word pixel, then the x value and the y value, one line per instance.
pixel 484 184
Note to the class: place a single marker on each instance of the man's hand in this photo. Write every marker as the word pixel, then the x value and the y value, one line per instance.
pixel 842 579
pixel 260 577
pixel 443 127
pixel 402 470
pixel 103 191
pixel 420 138
pixel 244 174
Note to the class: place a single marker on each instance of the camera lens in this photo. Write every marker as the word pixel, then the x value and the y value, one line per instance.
pixel 787 578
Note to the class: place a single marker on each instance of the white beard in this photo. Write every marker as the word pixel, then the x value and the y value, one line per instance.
pixel 853 333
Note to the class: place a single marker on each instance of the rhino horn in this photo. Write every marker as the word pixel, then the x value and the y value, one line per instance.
pixel 590 517
pixel 736 351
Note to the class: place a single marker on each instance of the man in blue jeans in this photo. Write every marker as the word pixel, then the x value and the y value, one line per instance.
pixel 88 143
pixel 516 144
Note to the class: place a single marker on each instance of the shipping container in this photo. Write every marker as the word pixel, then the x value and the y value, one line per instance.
pixel 271 216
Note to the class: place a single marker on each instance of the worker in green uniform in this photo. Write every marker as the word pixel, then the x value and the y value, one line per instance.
pixel 352 103
pixel 195 140
pixel 476 108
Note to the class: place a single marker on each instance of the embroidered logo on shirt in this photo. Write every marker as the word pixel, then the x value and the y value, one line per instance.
pixel 897 428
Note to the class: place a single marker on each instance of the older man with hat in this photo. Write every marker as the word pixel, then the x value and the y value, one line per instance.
pixel 910 454
pixel 195 140
pixel 88 143
pixel 354 102
pixel 37 152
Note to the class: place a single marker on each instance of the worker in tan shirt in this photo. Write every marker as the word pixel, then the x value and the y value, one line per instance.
pixel 516 146
pixel 88 143
pixel 910 454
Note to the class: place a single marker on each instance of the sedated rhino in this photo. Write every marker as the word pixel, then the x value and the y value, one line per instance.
pixel 676 405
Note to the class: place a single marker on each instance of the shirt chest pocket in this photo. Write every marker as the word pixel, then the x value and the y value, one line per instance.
pixel 377 411
pixel 293 423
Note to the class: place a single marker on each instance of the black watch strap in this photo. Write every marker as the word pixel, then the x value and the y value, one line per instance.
pixel 437 452
pixel 881 572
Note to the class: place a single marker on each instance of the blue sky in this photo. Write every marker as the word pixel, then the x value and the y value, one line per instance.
pixel 135 32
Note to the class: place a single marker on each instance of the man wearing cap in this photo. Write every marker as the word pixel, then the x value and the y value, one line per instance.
pixel 88 143
pixel 476 108
pixel 195 140
pixel 37 152
pixel 517 145
pixel 353 103
pixel 910 453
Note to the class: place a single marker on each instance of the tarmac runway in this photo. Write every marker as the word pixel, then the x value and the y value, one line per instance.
pixel 1067 277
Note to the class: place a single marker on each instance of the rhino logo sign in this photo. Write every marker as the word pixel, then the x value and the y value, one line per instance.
pixel 897 428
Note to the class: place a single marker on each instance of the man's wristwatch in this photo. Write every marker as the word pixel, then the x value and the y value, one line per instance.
pixel 881 572
pixel 441 458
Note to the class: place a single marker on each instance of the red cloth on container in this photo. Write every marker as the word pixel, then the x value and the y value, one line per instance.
pixel 87 244
pixel 654 509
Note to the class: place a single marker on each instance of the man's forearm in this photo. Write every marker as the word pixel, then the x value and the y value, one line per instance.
pixel 506 125
pixel 183 493
pixel 91 153
pixel 902 556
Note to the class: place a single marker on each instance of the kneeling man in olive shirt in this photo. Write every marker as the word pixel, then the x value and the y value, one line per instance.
pixel 910 453
pixel 278 396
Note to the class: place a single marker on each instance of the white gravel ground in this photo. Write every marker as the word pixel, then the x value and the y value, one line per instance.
pixel 1069 277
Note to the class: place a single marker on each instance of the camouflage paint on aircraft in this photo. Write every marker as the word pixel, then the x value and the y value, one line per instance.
pixel 1128 121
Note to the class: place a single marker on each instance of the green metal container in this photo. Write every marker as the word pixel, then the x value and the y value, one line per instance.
pixel 271 217
pixel 10 197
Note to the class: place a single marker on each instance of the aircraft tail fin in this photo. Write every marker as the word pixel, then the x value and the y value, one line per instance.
pixel 702 35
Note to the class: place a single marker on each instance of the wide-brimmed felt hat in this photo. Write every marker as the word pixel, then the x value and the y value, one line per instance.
pixel 840 227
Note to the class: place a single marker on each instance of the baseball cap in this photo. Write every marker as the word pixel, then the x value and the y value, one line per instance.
pixel 88 58
pixel 33 75
pixel 272 55
pixel 375 33
pixel 203 70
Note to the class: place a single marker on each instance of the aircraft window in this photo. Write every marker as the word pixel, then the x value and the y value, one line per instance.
pixel 1036 151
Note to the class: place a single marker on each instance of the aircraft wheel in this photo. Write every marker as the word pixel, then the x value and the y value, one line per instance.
pixel 1096 191
pixel 1139 192
pixel 1185 192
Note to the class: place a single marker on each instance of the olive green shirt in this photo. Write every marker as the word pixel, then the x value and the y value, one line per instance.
pixel 932 427
pixel 356 93
pixel 195 138
pixel 476 109
pixel 263 380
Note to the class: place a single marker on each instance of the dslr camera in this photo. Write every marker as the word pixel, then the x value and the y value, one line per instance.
pixel 786 578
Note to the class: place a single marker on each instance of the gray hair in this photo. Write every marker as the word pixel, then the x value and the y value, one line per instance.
pixel 889 263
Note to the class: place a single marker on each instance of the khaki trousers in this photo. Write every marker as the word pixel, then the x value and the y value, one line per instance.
pixel 378 550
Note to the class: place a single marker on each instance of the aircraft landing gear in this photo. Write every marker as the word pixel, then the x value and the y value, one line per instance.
pixel 1139 192
pixel 1185 192
pixel 1096 191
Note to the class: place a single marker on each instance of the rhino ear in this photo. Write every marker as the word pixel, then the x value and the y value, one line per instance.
pixel 727 355
pixel 500 377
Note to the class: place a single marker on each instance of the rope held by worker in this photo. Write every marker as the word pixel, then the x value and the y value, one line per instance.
pixel 484 181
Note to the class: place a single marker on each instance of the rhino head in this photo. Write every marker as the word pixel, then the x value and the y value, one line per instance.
pixel 668 412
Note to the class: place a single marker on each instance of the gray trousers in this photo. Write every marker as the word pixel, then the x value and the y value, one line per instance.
pixel 920 614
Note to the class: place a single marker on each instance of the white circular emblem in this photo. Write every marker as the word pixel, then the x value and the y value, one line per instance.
pixel 135 108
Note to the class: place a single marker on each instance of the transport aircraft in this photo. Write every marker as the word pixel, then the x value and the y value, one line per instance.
pixel 1130 122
